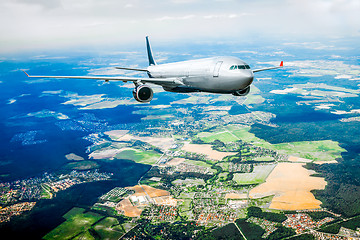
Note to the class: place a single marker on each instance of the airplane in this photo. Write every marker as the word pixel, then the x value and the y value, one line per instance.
pixel 227 75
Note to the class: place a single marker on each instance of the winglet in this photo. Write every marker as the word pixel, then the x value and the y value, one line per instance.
pixel 26 73
pixel 282 64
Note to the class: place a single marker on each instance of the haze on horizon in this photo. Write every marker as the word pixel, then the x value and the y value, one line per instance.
pixel 28 25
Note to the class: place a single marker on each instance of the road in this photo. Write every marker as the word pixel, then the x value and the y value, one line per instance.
pixel 139 182
pixel 240 231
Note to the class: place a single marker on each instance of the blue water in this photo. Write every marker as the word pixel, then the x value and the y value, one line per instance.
pixel 48 140
pixel 32 145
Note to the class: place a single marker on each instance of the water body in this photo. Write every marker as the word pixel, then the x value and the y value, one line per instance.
pixel 32 145
pixel 47 214
pixel 21 161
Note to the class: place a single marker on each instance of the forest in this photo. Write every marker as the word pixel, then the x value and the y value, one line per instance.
pixel 342 193
pixel 258 213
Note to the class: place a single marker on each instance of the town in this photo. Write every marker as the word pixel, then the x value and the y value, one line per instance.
pixel 21 195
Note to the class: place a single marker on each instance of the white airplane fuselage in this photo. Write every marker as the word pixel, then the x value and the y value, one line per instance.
pixel 206 75
pixel 215 75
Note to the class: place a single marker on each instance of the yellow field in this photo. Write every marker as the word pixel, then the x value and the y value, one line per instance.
pixel 128 209
pixel 235 196
pixel 291 184
pixel 152 192
pixel 157 196
pixel 206 150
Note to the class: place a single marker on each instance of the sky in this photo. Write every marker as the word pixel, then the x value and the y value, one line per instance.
pixel 28 25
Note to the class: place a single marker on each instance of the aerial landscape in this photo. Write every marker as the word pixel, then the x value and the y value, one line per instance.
pixel 82 159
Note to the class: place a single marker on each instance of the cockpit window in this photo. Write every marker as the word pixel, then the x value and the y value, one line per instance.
pixel 233 67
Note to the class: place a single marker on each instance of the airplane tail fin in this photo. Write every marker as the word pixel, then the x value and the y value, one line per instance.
pixel 149 52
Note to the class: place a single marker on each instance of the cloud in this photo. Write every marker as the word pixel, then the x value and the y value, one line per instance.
pixel 39 24
pixel 129 5
pixel 167 18
pixel 46 4
pixel 315 45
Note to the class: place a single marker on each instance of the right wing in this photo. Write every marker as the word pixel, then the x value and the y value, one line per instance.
pixel 264 69
pixel 157 81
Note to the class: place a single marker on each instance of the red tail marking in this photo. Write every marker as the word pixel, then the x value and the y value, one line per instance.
pixel 282 64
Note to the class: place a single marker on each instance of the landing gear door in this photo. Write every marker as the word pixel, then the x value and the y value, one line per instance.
pixel 217 68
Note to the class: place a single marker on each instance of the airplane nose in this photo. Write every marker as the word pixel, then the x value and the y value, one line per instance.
pixel 249 77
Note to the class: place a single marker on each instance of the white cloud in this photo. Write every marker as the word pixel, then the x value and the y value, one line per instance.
pixel 184 1
pixel 167 18
pixel 28 24
pixel 129 5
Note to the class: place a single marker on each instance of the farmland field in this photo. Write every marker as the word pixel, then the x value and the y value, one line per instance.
pixel 259 175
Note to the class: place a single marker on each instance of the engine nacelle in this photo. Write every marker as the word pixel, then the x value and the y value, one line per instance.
pixel 143 93
pixel 242 92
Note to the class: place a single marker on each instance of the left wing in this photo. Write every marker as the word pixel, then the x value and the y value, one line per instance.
pixel 264 69
pixel 158 81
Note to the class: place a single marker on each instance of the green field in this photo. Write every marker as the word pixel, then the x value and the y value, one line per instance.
pixel 77 223
pixel 264 159
pixel 198 163
pixel 84 236
pixel 45 191
pixel 224 166
pixel 148 157
pixel 82 165
pixel 109 228
pixel 325 150
pixel 232 133
pixel 221 135
pixel 259 175
pixel 223 175
pixel 185 206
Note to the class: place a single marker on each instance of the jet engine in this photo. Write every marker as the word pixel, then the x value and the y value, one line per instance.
pixel 242 92
pixel 143 93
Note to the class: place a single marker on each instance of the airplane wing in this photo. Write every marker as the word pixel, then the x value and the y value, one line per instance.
pixel 132 69
pixel 264 69
pixel 157 81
